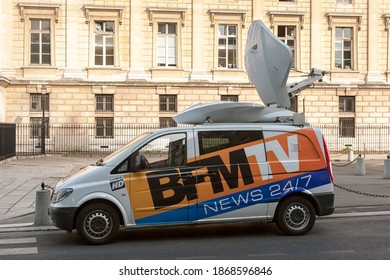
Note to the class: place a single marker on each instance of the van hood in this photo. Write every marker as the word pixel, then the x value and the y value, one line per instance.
pixel 77 175
pixel 268 62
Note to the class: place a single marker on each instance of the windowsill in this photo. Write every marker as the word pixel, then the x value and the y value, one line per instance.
pixel 227 70
pixel 344 71
pixel 103 68
pixel 104 114
pixel 39 66
pixel 168 112
pixel 166 69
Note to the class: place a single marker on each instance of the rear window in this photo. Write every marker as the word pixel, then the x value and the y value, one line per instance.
pixel 212 141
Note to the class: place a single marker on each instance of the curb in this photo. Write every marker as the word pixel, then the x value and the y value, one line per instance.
pixel 26 227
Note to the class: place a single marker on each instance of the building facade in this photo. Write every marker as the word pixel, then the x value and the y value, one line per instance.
pixel 106 62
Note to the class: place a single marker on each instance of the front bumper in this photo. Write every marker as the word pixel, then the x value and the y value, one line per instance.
pixel 63 217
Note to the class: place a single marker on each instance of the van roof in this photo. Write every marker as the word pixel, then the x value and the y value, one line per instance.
pixel 235 126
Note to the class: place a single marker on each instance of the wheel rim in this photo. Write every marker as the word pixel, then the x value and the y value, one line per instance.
pixel 98 224
pixel 297 216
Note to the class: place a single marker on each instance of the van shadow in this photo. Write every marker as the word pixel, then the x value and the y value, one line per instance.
pixel 200 231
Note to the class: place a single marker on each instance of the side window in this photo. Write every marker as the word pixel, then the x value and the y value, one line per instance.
pixel 166 151
pixel 289 147
pixel 212 141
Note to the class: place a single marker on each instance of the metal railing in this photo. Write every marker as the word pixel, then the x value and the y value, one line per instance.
pixel 76 139
pixel 7 140
pixel 370 139
pixel 87 139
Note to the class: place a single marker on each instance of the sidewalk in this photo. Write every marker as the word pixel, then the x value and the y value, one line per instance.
pixel 21 178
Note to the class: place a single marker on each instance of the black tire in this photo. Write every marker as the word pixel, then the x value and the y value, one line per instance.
pixel 295 216
pixel 98 223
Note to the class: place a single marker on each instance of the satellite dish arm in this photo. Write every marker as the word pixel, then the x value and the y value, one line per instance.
pixel 314 76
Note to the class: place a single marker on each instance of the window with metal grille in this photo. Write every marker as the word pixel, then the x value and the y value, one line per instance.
pixel 227 46
pixel 36 127
pixel 38 102
pixel 104 43
pixel 168 103
pixel 343 48
pixel 233 98
pixel 287 34
pixel 167 122
pixel 40 41
pixel 104 103
pixel 347 127
pixel 104 127
pixel 347 104
pixel 167 45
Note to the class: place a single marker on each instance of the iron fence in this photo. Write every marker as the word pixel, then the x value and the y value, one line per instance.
pixel 88 139
pixel 7 140
pixel 76 139
pixel 362 139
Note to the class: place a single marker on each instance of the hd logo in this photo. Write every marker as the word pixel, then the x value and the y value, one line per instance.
pixel 117 184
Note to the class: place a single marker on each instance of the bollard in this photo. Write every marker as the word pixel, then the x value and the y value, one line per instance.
pixel 350 155
pixel 42 203
pixel 348 147
pixel 360 166
pixel 386 169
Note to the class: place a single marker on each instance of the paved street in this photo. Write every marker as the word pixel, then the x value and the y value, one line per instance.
pixel 349 238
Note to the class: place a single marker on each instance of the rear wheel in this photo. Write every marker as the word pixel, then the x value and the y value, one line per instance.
pixel 295 216
pixel 98 223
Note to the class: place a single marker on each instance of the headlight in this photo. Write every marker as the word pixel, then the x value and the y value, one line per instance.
pixel 61 195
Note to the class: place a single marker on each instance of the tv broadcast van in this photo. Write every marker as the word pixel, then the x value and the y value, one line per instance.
pixel 236 162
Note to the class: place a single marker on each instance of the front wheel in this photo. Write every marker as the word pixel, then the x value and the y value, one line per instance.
pixel 98 223
pixel 295 216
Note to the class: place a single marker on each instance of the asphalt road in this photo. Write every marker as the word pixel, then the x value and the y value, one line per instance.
pixel 350 238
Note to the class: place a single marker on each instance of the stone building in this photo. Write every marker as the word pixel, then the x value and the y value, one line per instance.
pixel 108 62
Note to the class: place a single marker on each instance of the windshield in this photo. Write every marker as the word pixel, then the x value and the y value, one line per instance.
pixel 119 151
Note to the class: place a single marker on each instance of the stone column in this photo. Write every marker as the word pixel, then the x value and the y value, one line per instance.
pixel 136 71
pixel 198 72
pixel 257 10
pixel 71 14
pixel 6 51
pixel 316 34
pixel 373 74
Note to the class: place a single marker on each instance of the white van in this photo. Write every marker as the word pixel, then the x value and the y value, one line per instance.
pixel 245 162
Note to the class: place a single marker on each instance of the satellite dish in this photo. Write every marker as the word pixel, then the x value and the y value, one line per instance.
pixel 268 62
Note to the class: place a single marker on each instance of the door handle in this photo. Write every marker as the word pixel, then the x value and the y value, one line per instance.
pixel 208 174
pixel 185 177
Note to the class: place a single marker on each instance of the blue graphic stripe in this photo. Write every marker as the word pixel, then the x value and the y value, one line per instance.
pixel 262 194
